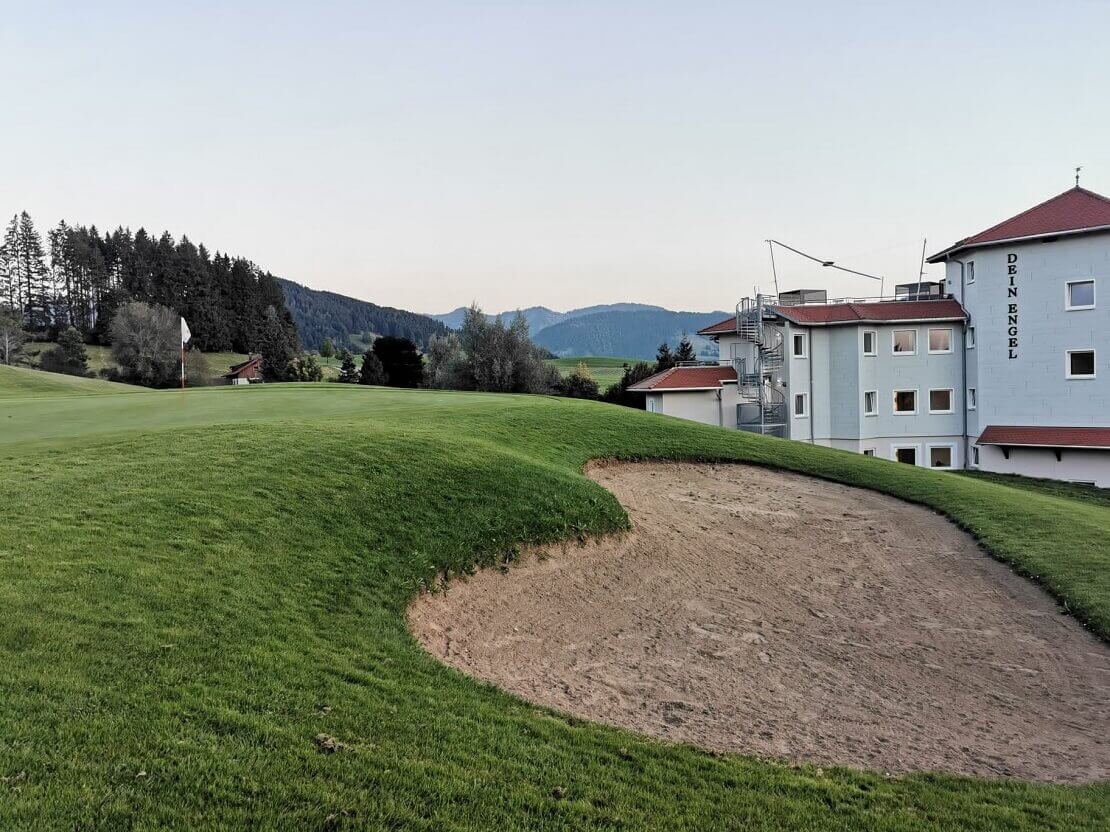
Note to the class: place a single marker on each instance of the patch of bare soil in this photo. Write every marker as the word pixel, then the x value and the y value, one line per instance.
pixel 772 614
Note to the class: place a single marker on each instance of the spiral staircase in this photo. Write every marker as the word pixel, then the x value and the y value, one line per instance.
pixel 762 407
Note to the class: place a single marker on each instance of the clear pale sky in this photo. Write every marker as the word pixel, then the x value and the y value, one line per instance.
pixel 425 155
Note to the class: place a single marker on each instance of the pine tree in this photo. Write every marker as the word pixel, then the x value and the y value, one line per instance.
pixel 10 288
pixel 68 356
pixel 32 270
pixel 277 351
pixel 348 372
pixel 664 358
pixel 685 351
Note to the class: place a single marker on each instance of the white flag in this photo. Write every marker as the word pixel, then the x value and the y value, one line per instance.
pixel 185 334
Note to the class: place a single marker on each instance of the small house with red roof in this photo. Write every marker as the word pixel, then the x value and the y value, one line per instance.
pixel 246 372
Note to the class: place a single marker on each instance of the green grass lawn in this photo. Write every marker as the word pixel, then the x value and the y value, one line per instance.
pixel 196 585
pixel 606 370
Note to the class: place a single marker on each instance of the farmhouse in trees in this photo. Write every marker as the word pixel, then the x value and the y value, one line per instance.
pixel 245 372
pixel 1004 365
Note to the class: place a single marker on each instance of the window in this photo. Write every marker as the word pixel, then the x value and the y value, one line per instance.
pixel 940 456
pixel 972 398
pixel 1080 294
pixel 974 454
pixel 868 451
pixel 905 402
pixel 652 405
pixel 970 272
pixel 940 401
pixel 940 340
pixel 801 405
pixel 1081 364
pixel 970 338
pixel 905 341
pixel 906 454
pixel 799 345
pixel 870 403
pixel 869 339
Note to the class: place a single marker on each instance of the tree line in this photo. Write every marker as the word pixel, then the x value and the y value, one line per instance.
pixel 78 277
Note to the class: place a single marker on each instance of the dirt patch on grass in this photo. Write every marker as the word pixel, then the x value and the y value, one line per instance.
pixel 767 613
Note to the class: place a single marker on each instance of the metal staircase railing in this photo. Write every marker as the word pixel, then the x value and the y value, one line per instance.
pixel 763 406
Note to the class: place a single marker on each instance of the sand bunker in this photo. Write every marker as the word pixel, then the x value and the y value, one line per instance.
pixel 767 613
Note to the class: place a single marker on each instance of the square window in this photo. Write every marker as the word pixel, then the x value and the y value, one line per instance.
pixel 940 340
pixel 1081 363
pixel 940 456
pixel 970 271
pixel 905 341
pixel 1081 294
pixel 906 455
pixel 800 403
pixel 799 346
pixel 905 401
pixel 972 398
pixel 869 338
pixel 870 403
pixel 940 401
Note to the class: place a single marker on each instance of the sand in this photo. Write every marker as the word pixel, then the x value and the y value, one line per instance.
pixel 772 614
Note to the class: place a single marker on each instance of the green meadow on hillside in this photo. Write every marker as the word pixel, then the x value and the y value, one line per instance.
pixel 100 358
pixel 200 588
pixel 605 369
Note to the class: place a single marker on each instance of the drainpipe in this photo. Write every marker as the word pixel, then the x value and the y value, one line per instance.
pixel 963 364
pixel 720 407
pixel 812 404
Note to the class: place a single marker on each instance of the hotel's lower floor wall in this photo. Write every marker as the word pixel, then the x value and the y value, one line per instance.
pixel 925 451
pixel 1074 464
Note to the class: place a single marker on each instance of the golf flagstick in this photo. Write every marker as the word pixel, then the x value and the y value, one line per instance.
pixel 185 336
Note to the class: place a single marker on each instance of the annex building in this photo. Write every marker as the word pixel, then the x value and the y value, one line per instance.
pixel 1003 366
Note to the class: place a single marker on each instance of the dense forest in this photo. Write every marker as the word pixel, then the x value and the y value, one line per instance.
pixel 80 276
pixel 346 321
pixel 634 333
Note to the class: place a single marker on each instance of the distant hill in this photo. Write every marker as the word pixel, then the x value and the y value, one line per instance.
pixel 636 333
pixel 632 329
pixel 345 320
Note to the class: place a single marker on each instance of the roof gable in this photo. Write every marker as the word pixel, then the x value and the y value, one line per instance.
pixel 1076 209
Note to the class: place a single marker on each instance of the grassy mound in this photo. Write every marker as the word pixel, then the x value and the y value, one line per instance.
pixel 21 383
pixel 204 598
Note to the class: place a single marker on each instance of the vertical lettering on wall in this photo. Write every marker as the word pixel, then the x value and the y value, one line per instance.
pixel 1012 305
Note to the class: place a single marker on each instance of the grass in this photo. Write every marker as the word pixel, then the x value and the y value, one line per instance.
pixel 195 585
pixel 100 358
pixel 1056 488
pixel 606 370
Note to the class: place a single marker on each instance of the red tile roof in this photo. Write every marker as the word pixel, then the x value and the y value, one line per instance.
pixel 686 378
pixel 1076 209
pixel 1053 437
pixel 723 328
pixel 897 310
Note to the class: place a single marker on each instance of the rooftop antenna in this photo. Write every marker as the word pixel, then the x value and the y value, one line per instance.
pixel 826 263
pixel 774 271
pixel 1078 168
pixel 921 271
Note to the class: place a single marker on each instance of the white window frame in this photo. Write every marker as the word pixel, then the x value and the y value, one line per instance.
pixel 652 404
pixel 868 452
pixel 1067 364
pixel 805 406
pixel 969 272
pixel 1067 294
pixel 875 410
pixel 929 339
pixel 805 344
pixel 894 402
pixel 951 400
pixel 969 338
pixel 952 458
pixel 874 333
pixel 972 398
pixel 894 338
pixel 916 447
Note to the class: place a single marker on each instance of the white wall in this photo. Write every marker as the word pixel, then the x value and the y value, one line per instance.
pixel 1074 464
pixel 695 405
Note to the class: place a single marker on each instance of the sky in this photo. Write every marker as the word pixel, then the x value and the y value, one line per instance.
pixel 428 155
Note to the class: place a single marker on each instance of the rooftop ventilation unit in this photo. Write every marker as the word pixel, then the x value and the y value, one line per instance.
pixel 800 296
